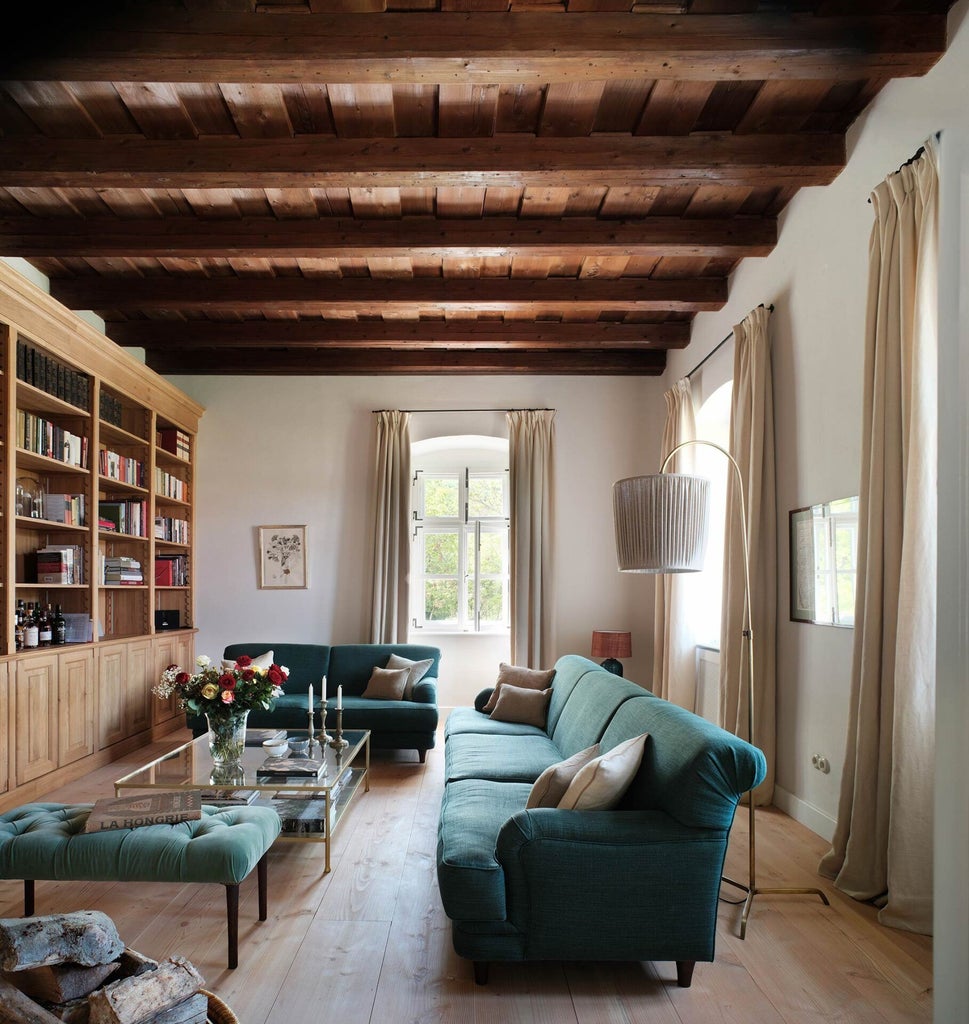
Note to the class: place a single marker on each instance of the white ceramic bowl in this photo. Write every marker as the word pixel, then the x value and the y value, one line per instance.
pixel 275 748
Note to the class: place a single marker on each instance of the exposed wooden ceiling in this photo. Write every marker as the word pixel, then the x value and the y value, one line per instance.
pixel 425 186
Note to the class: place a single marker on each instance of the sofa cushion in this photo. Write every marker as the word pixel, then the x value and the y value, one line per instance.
pixel 500 758
pixel 471 881
pixel 351 664
pixel 601 784
pixel 307 663
pixel 264 660
pixel 462 720
pixel 416 670
pixel 517 675
pixel 552 784
pixel 519 704
pixel 386 684
pixel 385 715
pixel 589 709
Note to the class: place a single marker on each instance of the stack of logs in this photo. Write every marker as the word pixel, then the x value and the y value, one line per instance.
pixel 75 968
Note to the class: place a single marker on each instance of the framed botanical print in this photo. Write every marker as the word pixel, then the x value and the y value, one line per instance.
pixel 282 557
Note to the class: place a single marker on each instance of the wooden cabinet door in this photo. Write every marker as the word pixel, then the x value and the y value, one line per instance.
pixel 35 728
pixel 138 686
pixel 9 743
pixel 164 653
pixel 112 669
pixel 75 704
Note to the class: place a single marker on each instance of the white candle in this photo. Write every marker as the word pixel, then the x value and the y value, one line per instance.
pixel 310 706
pixel 339 698
pixel 323 694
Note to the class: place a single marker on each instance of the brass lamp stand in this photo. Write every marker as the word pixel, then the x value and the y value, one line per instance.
pixel 673 506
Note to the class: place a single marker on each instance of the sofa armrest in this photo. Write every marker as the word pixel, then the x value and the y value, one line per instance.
pixel 425 691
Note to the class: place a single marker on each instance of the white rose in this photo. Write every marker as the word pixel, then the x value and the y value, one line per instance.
pixel 203 661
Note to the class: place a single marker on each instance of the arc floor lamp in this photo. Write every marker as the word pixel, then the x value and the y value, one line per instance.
pixel 661 526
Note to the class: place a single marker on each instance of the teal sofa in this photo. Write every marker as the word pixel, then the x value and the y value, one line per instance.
pixel 393 724
pixel 639 882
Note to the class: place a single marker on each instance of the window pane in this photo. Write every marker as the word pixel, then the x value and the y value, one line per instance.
pixel 492 552
pixel 440 496
pixel 492 603
pixel 440 600
pixel 486 496
pixel 441 554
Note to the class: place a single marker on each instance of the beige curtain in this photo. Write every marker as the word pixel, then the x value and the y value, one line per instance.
pixel 391 547
pixel 752 445
pixel 530 437
pixel 674 646
pixel 882 848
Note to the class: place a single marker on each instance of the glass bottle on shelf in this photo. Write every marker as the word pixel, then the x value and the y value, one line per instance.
pixel 60 627
pixel 45 628
pixel 31 632
pixel 18 631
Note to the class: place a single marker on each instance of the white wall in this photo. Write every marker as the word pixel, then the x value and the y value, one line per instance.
pixel 290 450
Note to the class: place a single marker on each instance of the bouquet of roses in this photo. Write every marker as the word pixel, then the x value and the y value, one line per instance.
pixel 221 692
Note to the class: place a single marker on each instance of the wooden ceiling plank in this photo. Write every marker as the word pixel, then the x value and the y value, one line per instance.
pixel 362 110
pixel 54 108
pixel 170 44
pixel 301 162
pixel 157 110
pixel 338 237
pixel 673 107
pixel 570 108
pixel 258 111
pixel 467 111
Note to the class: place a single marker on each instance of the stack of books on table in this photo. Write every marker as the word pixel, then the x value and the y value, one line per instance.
pixel 229 797
pixel 291 768
pixel 121 570
pixel 60 563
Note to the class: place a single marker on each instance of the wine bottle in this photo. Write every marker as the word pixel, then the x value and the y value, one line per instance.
pixel 18 631
pixel 60 627
pixel 45 630
pixel 31 632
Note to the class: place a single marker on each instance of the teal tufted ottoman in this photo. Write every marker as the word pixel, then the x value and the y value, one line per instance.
pixel 47 841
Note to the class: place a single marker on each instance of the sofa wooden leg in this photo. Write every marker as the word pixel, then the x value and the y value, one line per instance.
pixel 481 972
pixel 422 756
pixel 262 876
pixel 28 897
pixel 232 923
pixel 684 972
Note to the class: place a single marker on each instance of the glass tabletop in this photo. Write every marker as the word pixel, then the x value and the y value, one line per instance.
pixel 190 765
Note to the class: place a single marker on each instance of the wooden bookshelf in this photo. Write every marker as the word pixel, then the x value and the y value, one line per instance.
pixel 83 424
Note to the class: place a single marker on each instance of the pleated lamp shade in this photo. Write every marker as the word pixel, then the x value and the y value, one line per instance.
pixel 661 522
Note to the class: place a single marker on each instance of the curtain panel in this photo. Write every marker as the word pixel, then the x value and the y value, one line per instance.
pixel 674 645
pixel 882 847
pixel 530 447
pixel 391 547
pixel 752 445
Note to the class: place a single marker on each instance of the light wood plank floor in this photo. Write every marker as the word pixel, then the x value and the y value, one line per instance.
pixel 369 943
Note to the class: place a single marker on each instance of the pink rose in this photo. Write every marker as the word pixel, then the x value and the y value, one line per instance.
pixel 228 696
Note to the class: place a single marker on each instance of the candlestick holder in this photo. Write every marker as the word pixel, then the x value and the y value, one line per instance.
pixel 310 729
pixel 325 738
pixel 338 743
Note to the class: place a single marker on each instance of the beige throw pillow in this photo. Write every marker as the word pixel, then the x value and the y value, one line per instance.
pixel 518 704
pixel 600 785
pixel 550 786
pixel 260 661
pixel 517 675
pixel 386 684
pixel 416 670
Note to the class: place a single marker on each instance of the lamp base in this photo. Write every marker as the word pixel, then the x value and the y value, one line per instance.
pixel 613 665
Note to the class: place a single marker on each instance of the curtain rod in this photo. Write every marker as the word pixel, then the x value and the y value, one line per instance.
pixel 911 160
pixel 461 410
pixel 719 346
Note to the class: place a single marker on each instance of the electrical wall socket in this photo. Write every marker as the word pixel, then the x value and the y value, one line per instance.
pixel 821 763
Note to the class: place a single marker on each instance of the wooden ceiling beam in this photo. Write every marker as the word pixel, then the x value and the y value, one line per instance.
pixel 519 161
pixel 419 237
pixel 648 363
pixel 164 43
pixel 319 295
pixel 432 334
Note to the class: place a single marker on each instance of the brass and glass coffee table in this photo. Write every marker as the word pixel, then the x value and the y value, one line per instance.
pixel 311 807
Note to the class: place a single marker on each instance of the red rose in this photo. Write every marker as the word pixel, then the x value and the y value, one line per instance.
pixel 243 660
pixel 227 682
pixel 275 676
pixel 171 667
pixel 248 674
pixel 182 678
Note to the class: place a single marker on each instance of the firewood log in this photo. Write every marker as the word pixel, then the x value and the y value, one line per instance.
pixel 16 1008
pixel 144 996
pixel 85 937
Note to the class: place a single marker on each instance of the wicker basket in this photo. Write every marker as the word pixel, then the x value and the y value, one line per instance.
pixel 219 1013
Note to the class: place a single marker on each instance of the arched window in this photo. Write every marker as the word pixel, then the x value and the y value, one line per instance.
pixel 459 564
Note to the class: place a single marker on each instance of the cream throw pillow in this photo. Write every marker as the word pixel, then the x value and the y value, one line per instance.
pixel 416 671
pixel 519 704
pixel 551 785
pixel 261 661
pixel 600 785
pixel 386 684
pixel 517 675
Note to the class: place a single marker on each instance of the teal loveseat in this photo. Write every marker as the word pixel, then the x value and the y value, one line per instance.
pixel 639 882
pixel 393 724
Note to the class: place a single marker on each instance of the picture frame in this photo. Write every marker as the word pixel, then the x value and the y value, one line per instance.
pixel 282 557
pixel 802 564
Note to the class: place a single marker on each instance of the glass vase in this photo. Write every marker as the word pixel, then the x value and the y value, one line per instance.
pixel 227 737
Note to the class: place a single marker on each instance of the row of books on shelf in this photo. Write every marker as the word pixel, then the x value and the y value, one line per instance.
pixel 171 571
pixel 169 485
pixel 110 409
pixel 42 371
pixel 42 437
pixel 60 564
pixel 121 571
pixel 174 441
pixel 124 516
pixel 174 530
pixel 121 467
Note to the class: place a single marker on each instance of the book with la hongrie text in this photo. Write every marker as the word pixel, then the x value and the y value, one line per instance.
pixel 167 808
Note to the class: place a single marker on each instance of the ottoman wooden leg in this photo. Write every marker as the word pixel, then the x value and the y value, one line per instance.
pixel 28 897
pixel 262 875
pixel 232 923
